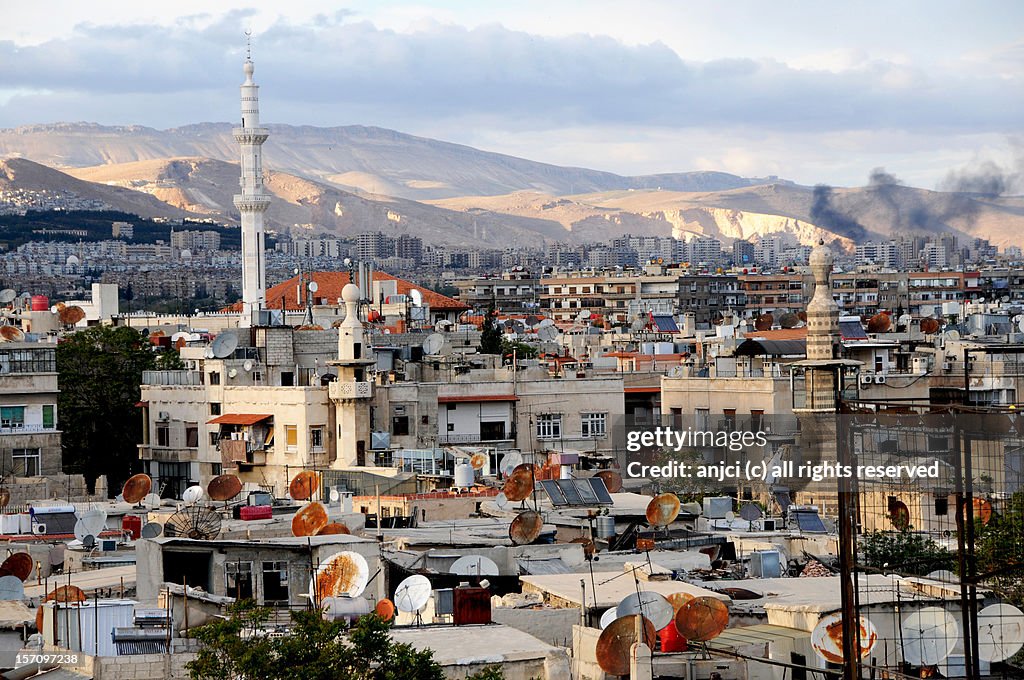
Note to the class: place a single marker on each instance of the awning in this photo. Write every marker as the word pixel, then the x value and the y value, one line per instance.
pixel 665 323
pixel 779 348
pixel 142 404
pixel 642 390
pixel 472 398
pixel 239 419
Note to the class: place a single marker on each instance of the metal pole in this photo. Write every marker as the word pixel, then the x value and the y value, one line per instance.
pixel 847 585
pixel 961 552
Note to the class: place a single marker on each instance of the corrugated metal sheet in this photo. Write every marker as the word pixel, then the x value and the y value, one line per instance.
pixel 539 567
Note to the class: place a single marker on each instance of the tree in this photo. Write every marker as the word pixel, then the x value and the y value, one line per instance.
pixel 99 372
pixel 999 549
pixel 490 335
pixel 522 350
pixel 315 649
pixel 906 552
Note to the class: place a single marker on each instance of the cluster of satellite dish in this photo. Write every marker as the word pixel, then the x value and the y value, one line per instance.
pixel 9 333
pixel 192 519
pixel 695 619
pixel 311 519
pixel 14 571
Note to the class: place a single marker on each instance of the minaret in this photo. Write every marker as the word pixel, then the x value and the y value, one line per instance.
pixel 351 392
pixel 822 310
pixel 253 201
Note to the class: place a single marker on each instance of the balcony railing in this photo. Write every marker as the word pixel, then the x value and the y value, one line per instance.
pixel 339 390
pixel 29 428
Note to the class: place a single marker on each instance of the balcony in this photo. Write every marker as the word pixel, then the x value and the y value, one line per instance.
pixel 342 391
pixel 163 454
pixel 29 428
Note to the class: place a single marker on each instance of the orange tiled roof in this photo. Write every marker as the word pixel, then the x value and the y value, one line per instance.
pixel 329 285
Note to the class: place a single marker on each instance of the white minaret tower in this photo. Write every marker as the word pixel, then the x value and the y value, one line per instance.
pixel 253 201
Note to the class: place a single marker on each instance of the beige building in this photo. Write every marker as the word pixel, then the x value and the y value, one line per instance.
pixel 29 433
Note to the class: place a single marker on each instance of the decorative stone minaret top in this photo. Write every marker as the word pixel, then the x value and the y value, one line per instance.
pixel 822 311
pixel 350 333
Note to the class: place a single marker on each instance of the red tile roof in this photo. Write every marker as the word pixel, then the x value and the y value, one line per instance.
pixel 239 419
pixel 329 285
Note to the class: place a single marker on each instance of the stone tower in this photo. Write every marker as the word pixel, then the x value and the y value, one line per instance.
pixel 351 392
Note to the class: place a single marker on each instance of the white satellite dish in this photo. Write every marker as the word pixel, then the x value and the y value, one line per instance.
pixel 152 501
pixel 193 495
pixel 313 286
pixel 335 496
pixel 247 365
pixel 80 531
pixel 980 300
pixel 547 333
pixel 412 594
pixel 929 636
pixel 653 606
pixel 233 373
pixel 830 649
pixel 180 335
pixel 417 297
pixel 546 322
pixel 7 295
pixel 953 334
pixel 1000 632
pixel 608 616
pixel 433 344
pixel 94 521
pixel 11 588
pixel 637 325
pixel 583 316
pixel 208 353
pixel 509 462
pixel 944 575
pixel 474 565
pixel 1020 325
pixel 224 345
pixel 906 320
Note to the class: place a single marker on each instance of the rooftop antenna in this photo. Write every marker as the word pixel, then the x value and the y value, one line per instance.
pixel 248 45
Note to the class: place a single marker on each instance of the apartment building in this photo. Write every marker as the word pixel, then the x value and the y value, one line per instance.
pixel 29 433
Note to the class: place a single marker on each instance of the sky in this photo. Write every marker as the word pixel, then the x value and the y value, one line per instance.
pixel 817 92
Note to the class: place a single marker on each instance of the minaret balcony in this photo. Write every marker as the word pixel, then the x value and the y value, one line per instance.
pixel 344 391
pixel 248 135
pixel 252 203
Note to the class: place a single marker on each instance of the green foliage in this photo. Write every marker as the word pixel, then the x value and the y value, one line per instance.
pixel 99 372
pixel 491 337
pixel 999 549
pixel 488 673
pixel 522 349
pixel 906 552
pixel 315 649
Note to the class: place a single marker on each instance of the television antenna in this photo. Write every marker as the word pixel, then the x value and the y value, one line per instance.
pixel 609 615
pixel 136 488
pixel 702 618
pixel 193 495
pixel 663 509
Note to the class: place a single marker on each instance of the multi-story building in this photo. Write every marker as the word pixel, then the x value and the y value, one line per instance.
pixel 195 240
pixel 516 291
pixel 773 293
pixel 29 434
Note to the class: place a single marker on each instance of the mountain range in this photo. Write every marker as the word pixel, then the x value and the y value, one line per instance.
pixel 346 180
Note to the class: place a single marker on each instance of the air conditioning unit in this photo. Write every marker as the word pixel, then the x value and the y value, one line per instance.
pixel 865 379
pixel 879 379
pixel 163 415
pixel 716 507
pixel 39 529
pixel 768 525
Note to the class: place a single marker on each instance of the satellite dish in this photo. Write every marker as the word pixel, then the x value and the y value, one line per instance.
pixel 152 530
pixel 334 529
pixel 789 320
pixel 385 609
pixel 344 574
pixel 615 645
pixel 899 515
pixel 11 334
pixel 417 297
pixel 980 300
pixel 193 495
pixel 730 516
pixel 525 528
pixel 827 637
pixel 929 326
pixel 751 512
pixel 509 462
pixel 89 542
pixel 313 287
pixel 546 322
pixel 334 496
pixel 309 520
pixel 944 575
pixel 637 325
pixel 224 487
pixel 195 522
pixel 501 501
pixel 879 323
pixel 474 565
pixel 1020 325
pixel 677 600
pixel 11 588
pixel 433 344
pixel 519 484
pixel 136 488
pixel 929 636
pixel 953 335
pixel 152 501
pixel 304 485
pixel 906 320
pixel 412 594
pixel 224 345
pixel 94 521
pixel 247 365
pixel 764 322
pixel 1000 632
pixel 702 619
pixel 208 353
pixel 547 333
pixel 478 461
pixel 19 564
pixel 653 606
pixel 612 480
pixel 69 316
pixel 7 295
pixel 232 373
pixel 608 616
pixel 663 510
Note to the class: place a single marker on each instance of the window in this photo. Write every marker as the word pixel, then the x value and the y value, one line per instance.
pixel 238 580
pixel 492 431
pixel 49 416
pixel 291 437
pixel 12 416
pixel 214 438
pixel 26 462
pixel 214 377
pixel 316 438
pixel 593 424
pixel 191 435
pixel 549 426
pixel 400 426
pixel 701 418
pixel 163 435
pixel 214 408
pixel 275 582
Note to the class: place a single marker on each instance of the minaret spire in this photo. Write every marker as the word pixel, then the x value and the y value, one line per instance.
pixel 253 200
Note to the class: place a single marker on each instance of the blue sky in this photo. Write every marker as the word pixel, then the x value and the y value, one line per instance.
pixel 816 92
